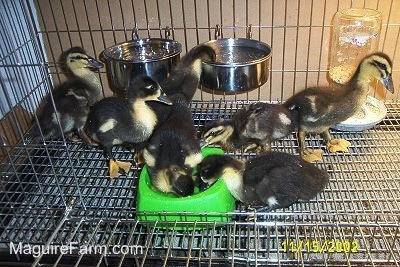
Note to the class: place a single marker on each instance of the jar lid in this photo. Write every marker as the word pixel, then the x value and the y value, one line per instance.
pixel 360 13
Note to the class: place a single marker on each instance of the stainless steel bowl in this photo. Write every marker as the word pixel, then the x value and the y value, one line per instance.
pixel 240 65
pixel 154 57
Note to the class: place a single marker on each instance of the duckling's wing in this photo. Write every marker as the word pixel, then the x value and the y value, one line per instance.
pixel 260 121
pixel 315 103
pixel 265 122
pixel 278 189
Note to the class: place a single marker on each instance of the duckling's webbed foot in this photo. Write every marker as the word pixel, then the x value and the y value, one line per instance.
pixel 268 208
pixel 85 139
pixel 338 145
pixel 305 153
pixel 252 148
pixel 311 155
pixel 116 168
pixel 72 137
pixel 264 209
pixel 257 148
pixel 138 158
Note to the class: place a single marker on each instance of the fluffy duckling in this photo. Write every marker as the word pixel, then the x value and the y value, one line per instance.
pixel 172 153
pixel 322 107
pixel 185 77
pixel 72 99
pixel 174 150
pixel 272 180
pixel 255 126
pixel 114 121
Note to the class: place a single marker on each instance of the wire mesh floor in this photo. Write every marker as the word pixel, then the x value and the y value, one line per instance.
pixel 60 194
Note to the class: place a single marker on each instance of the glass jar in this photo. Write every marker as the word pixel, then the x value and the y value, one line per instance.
pixel 356 34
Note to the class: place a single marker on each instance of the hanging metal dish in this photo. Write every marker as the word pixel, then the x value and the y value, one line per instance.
pixel 241 65
pixel 154 57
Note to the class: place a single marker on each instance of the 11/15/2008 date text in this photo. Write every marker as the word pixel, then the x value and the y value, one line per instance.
pixel 320 246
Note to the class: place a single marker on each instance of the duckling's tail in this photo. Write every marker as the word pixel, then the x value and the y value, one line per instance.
pixel 44 130
pixel 185 78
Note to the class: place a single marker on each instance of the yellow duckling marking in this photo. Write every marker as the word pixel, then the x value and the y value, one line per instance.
pixel 148 158
pixel 108 125
pixel 312 102
pixel 72 93
pixel 144 114
pixel 284 119
pixel 272 201
pixel 226 132
pixel 162 182
pixel 193 159
pixel 234 181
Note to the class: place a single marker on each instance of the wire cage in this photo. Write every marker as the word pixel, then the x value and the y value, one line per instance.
pixel 59 207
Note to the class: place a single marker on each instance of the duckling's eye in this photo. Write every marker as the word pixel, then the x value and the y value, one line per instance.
pixel 79 58
pixel 151 87
pixel 216 133
pixel 380 65
pixel 175 169
pixel 204 172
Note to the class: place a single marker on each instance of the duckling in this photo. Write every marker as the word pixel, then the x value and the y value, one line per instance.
pixel 322 107
pixel 114 121
pixel 255 126
pixel 185 77
pixel 72 99
pixel 273 180
pixel 174 150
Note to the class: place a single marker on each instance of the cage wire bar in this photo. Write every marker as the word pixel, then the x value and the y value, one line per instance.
pixel 58 193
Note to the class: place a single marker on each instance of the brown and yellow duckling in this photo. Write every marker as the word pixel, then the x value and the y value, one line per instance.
pixel 129 121
pixel 72 99
pixel 320 108
pixel 272 180
pixel 174 149
pixel 254 127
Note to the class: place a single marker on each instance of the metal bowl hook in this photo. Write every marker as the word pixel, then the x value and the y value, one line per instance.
pixel 135 33
pixel 218 32
pixel 249 34
pixel 167 32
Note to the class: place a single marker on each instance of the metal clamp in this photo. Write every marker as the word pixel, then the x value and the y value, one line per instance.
pixel 135 33
pixel 218 31
pixel 249 34
pixel 167 32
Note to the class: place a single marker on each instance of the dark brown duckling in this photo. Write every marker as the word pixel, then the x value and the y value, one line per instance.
pixel 322 107
pixel 174 149
pixel 254 127
pixel 184 78
pixel 273 180
pixel 129 121
pixel 72 99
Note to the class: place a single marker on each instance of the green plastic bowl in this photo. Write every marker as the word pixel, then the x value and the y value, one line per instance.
pixel 210 205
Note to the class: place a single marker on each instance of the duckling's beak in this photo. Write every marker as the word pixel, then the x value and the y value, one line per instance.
pixel 183 186
pixel 94 63
pixel 388 83
pixel 203 143
pixel 163 98
pixel 203 185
